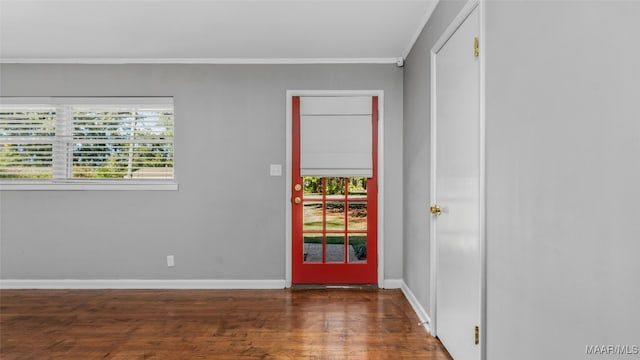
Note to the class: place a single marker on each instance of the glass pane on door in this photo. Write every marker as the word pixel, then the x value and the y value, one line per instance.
pixel 335 248
pixel 335 216
pixel 312 187
pixel 313 216
pixel 357 187
pixel 357 216
pixel 312 248
pixel 335 219
pixel 357 248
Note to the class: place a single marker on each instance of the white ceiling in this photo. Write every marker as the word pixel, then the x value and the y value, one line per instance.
pixel 210 30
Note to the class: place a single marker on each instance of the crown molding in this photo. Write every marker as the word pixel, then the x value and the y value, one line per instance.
pixel 416 35
pixel 216 61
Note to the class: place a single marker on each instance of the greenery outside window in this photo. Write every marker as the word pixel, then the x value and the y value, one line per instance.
pixel 86 143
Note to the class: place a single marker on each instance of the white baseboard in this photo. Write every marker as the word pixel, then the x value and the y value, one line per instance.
pixel 141 284
pixel 417 307
pixel 392 283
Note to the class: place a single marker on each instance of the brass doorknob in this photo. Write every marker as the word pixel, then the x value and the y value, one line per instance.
pixel 436 210
pixel 297 200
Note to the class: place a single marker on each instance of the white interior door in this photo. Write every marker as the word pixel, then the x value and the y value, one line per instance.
pixel 456 191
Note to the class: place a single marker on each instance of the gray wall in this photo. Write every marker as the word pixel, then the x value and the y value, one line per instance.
pixel 227 221
pixel 417 145
pixel 563 175
pixel 563 168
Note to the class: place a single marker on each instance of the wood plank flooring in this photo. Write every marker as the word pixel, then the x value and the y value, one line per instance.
pixel 212 324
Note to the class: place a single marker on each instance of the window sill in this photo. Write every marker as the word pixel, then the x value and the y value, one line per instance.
pixel 88 185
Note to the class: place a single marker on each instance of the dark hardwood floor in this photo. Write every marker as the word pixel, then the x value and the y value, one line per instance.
pixel 212 324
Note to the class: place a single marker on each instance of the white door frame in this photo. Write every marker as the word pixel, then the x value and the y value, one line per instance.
pixel 446 35
pixel 288 240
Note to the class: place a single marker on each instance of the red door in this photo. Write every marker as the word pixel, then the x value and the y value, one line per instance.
pixel 334 220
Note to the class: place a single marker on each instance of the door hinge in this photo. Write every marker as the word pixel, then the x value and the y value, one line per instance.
pixel 476 47
pixel 477 335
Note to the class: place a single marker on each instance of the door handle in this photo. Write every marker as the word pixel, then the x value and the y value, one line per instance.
pixel 297 200
pixel 436 210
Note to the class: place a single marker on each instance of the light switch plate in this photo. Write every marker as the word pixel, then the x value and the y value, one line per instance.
pixel 275 170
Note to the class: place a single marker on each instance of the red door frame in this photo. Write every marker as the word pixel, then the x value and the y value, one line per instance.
pixel 333 273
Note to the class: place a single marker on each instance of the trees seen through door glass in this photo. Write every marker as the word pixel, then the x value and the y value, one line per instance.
pixel 334 219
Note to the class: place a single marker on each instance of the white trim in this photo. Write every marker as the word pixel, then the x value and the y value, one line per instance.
pixel 454 25
pixel 483 186
pixel 212 61
pixel 433 259
pixel 71 185
pixel 392 284
pixel 416 35
pixel 423 316
pixel 288 127
pixel 108 186
pixel 288 251
pixel 187 1
pixel 380 175
pixel 378 93
pixel 114 101
pixel 141 284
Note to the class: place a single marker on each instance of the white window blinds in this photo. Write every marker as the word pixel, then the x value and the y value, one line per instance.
pixel 27 137
pixel 74 139
pixel 336 136
pixel 122 142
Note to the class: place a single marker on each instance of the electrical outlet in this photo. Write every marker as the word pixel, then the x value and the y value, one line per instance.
pixel 170 262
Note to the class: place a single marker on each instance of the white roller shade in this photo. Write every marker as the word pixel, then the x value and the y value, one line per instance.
pixel 336 136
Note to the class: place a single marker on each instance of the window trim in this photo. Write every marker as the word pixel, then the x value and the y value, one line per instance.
pixel 31 185
pixel 81 184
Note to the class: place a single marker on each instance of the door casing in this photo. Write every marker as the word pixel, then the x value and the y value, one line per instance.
pixel 289 147
pixel 469 7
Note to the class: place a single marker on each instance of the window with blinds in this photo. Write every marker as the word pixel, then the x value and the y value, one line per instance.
pixel 27 137
pixel 116 140
pixel 125 142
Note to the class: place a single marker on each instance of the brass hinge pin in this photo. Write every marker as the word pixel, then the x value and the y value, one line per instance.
pixel 476 47
pixel 477 335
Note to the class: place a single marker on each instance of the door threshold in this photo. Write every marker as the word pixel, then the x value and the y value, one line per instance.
pixel 325 286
